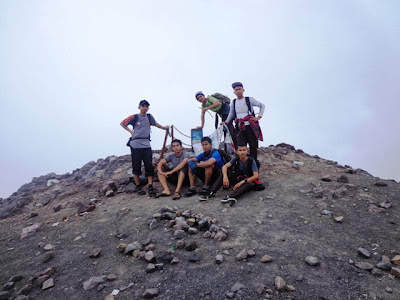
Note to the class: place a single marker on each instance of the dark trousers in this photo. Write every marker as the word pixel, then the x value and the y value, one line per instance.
pixel 231 128
pixel 240 191
pixel 142 154
pixel 247 136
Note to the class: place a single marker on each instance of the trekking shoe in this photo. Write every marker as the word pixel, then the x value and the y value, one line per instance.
pixel 204 191
pixel 210 196
pixel 190 192
pixel 152 191
pixel 139 190
pixel 230 201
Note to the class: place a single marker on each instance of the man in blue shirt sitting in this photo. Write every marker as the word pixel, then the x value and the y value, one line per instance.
pixel 206 166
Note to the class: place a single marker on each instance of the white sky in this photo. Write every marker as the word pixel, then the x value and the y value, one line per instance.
pixel 70 71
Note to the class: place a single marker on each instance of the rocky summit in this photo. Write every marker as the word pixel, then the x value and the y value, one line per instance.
pixel 320 230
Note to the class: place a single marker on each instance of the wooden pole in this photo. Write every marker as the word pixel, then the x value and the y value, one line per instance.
pixel 163 148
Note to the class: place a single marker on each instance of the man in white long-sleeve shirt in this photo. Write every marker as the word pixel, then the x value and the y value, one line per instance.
pixel 248 129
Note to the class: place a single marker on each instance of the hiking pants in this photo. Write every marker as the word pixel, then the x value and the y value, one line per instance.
pixel 247 136
pixel 142 154
pixel 240 191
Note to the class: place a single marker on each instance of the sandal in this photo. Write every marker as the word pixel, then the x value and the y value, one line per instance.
pixel 164 195
pixel 176 196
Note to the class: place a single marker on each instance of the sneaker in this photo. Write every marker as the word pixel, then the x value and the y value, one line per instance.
pixel 230 201
pixel 204 191
pixel 152 191
pixel 190 192
pixel 210 196
pixel 139 190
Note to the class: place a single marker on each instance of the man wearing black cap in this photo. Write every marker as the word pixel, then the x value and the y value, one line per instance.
pixel 248 129
pixel 140 144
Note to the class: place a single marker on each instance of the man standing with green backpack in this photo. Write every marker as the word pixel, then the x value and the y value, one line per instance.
pixel 219 104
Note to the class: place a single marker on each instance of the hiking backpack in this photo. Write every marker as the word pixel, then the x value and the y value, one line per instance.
pixel 224 156
pixel 249 108
pixel 221 97
pixel 134 121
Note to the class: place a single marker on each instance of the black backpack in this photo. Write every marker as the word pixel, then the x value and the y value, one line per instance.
pixel 249 109
pixel 257 186
pixel 135 119
pixel 224 156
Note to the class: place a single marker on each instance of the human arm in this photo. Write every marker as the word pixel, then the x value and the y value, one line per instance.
pixel 160 165
pixel 225 174
pixel 202 119
pixel 231 114
pixel 260 105
pixel 178 167
pixel 166 127
pixel 249 180
pixel 207 163
pixel 124 124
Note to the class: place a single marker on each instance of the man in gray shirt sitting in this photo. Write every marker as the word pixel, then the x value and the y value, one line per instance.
pixel 179 173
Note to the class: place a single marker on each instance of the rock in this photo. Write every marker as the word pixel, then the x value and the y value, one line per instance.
pixel 175 261
pixel 203 225
pixel 8 286
pixel 111 277
pixel 364 266
pixel 339 219
pixel 290 288
pixel 207 234
pixel 150 256
pixel 29 230
pixel 150 293
pixel 219 259
pixel 179 234
pixel 326 212
pixel 266 259
pixel 4 295
pixel 251 253
pixel 145 242
pixel 95 253
pixel 376 272
pixel 192 246
pixel 385 204
pixel 230 295
pixel 395 272
pixel 213 228
pixel 48 284
pixel 191 221
pixel 300 278
pixel 326 178
pixel 380 183
pixel 220 236
pixel 396 260
pixel 150 247
pixel 42 279
pixel 153 224
pixel 52 181
pixel 280 284
pixel 363 253
pixel 121 247
pixel 57 208
pixel 180 244
pixel 165 258
pixel 48 247
pixel 242 255
pixel 150 268
pixel 343 179
pixel 159 266
pixel 192 230
pixel 48 256
pixel 194 257
pixel 16 278
pixel 384 265
pixel 237 287
pixel 388 290
pixel 312 261
pixel 110 193
pixel 93 282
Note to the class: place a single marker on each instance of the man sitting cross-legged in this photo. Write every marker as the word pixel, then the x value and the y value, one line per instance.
pixel 178 175
pixel 241 172
pixel 206 166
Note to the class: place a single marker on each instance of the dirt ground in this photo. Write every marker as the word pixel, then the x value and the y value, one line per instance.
pixel 285 221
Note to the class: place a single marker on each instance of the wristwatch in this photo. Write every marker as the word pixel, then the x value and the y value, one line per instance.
pixel 245 180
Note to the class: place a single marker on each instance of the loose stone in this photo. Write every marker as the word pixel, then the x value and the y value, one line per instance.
pixel 266 259
pixel 8 286
pixel 179 234
pixel 48 247
pixel 48 284
pixel 363 252
pixel 95 253
pixel 219 259
pixel 192 230
pixel 192 246
pixel 180 244
pixel 364 266
pixel 251 253
pixel 150 268
pixel 384 265
pixel 150 256
pixel 339 219
pixel 150 293
pixel 175 261
pixel 312 260
pixel 280 283
pixel 396 260
pixel 220 236
pixel 153 224
pixel 242 255
pixel 395 272
pixel 206 234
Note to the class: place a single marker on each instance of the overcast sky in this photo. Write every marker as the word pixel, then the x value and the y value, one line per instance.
pixel 70 71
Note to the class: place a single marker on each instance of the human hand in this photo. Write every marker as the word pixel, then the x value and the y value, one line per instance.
pixel 199 127
pixel 255 119
pixel 226 182
pixel 238 185
pixel 166 127
pixel 222 123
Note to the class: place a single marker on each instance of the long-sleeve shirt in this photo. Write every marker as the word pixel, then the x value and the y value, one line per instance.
pixel 242 110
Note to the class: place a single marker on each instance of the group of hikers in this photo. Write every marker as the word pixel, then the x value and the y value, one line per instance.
pixel 213 166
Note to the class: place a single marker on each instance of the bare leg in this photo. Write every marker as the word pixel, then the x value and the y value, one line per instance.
pixel 207 174
pixel 137 180
pixel 150 178
pixel 181 178
pixel 192 178
pixel 163 181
